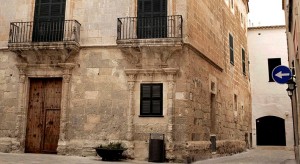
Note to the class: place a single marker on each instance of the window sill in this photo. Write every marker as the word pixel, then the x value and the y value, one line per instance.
pixel 151 116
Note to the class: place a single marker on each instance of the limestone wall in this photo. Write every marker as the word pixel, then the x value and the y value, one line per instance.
pixel 9 79
pixel 103 102
pixel 209 24
pixel 98 19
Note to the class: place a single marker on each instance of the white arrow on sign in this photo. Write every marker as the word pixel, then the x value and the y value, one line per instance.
pixel 280 74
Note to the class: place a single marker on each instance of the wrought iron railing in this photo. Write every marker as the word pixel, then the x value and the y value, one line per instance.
pixel 44 31
pixel 149 27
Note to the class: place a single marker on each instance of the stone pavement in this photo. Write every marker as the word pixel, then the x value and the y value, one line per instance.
pixel 253 156
pixel 261 155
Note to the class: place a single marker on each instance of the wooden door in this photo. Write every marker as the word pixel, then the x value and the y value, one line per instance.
pixel 43 120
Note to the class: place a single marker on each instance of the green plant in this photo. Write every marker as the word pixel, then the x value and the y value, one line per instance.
pixel 113 146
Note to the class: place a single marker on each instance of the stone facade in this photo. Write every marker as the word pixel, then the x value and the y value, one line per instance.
pixel 291 10
pixel 203 93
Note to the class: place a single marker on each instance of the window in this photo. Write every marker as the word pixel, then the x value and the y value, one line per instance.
pixel 235 102
pixel 242 19
pixel 151 100
pixel 49 16
pixel 213 114
pixel 231 49
pixel 152 19
pixel 272 63
pixel 243 62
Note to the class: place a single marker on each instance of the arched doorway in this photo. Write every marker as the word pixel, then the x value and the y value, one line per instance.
pixel 270 131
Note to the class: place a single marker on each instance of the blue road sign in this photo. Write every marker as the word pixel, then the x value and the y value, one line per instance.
pixel 281 74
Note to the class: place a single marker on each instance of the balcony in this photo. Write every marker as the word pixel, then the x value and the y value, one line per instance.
pixel 45 37
pixel 153 31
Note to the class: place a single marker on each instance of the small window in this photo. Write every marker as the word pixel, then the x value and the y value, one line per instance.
pixel 235 102
pixel 243 62
pixel 151 100
pixel 242 19
pixel 231 49
pixel 272 63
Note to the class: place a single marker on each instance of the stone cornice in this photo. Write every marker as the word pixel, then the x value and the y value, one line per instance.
pixel 151 71
pixel 267 27
pixel 211 62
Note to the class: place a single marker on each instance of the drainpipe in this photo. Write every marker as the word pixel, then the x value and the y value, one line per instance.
pixel 295 125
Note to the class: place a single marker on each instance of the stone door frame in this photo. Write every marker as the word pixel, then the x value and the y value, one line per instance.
pixel 26 71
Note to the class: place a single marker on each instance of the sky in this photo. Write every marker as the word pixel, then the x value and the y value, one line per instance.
pixel 265 13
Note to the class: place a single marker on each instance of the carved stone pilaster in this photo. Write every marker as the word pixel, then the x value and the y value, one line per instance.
pixel 170 72
pixel 130 112
pixel 67 72
pixel 20 127
pixel 131 79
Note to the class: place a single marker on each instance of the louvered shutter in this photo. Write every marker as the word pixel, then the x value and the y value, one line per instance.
pixel 151 99
pixel 243 62
pixel 152 20
pixel 146 99
pixel 156 99
pixel 49 18
pixel 231 49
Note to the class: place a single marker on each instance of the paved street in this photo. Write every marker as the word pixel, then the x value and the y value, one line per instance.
pixel 255 156
pixel 268 155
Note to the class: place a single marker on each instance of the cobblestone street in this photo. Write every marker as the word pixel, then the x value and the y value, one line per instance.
pixel 255 156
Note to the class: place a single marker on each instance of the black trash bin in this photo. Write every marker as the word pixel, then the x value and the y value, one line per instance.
pixel 213 140
pixel 156 148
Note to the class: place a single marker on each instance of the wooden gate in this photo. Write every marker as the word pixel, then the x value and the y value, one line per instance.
pixel 43 119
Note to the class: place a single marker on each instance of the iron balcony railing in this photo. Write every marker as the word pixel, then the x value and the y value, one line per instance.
pixel 150 27
pixel 44 31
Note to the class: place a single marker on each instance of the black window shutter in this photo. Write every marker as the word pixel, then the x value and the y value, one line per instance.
pixel 152 20
pixel 156 107
pixel 48 9
pixel 49 18
pixel 151 99
pixel 231 49
pixel 156 91
pixel 146 106
pixel 156 99
pixel 146 91
pixel 243 62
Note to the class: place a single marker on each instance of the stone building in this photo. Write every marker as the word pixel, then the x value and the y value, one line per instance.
pixel 291 10
pixel 75 74
pixel 272 121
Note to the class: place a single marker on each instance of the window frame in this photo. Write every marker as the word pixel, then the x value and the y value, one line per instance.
pixel 243 61
pixel 231 4
pixel 151 114
pixel 231 49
